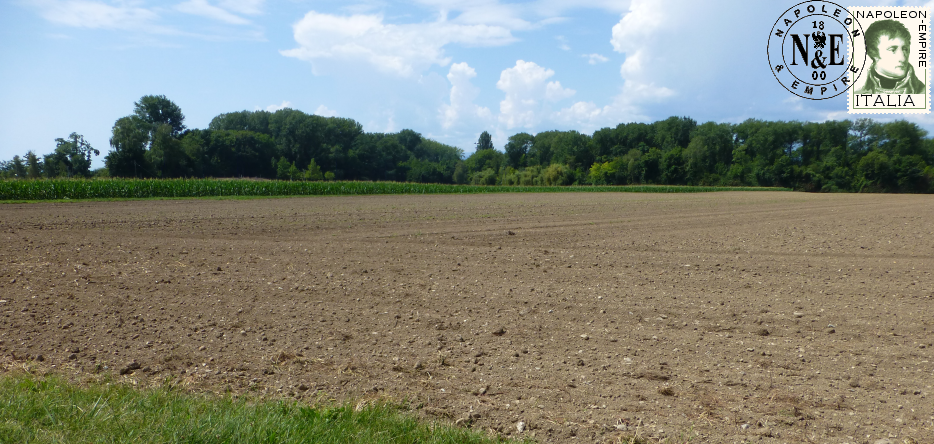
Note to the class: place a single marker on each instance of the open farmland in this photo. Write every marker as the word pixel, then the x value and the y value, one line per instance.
pixel 727 317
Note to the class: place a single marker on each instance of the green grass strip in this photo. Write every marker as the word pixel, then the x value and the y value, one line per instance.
pixel 52 410
pixel 61 189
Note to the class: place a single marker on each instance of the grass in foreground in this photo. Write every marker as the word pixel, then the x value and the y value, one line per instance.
pixel 52 410
pixel 60 189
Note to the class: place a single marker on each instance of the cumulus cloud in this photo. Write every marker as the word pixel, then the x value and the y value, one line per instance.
pixel 324 111
pixel 527 90
pixel 461 109
pixel 205 9
pixel 587 116
pixel 652 35
pixel 637 35
pixel 398 49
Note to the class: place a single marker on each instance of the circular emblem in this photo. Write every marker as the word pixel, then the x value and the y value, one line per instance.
pixel 811 50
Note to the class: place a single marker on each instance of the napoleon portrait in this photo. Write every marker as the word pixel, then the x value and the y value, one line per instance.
pixel 888 44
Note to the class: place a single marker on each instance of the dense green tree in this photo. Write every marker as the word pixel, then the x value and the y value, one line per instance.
pixel 485 142
pixel 159 110
pixel 282 169
pixel 239 154
pixel 313 172
pixel 18 168
pixel 389 153
pixel 672 132
pixel 166 154
pixel 72 157
pixel 673 172
pixel 903 138
pixel 195 149
pixel 572 149
pixel 255 121
pixel 517 148
pixel 708 153
pixel 540 153
pixel 128 142
pixel 557 174
pixel 909 174
pixel 875 173
pixel 652 164
pixel 485 159
pixel 409 139
pixel 437 152
pixel 461 174
pixel 33 165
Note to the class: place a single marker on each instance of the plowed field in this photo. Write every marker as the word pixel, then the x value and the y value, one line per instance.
pixel 726 317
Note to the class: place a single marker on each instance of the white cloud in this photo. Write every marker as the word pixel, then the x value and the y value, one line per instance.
pixel 635 35
pixel 661 38
pixel 398 49
pixel 273 108
pixel 461 110
pixel 593 59
pixel 587 116
pixel 205 9
pixel 97 14
pixel 527 89
pixel 324 111
pixel 677 55
pixel 644 18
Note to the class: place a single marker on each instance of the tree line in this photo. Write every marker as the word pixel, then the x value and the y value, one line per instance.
pixel 854 156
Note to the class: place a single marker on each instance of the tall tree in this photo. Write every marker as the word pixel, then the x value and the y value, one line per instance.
pixel 128 157
pixel 33 165
pixel 159 110
pixel 72 157
pixel 485 142
pixel 517 148
pixel 166 154
pixel 18 167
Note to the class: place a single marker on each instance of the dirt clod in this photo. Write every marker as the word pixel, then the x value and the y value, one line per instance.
pixel 129 368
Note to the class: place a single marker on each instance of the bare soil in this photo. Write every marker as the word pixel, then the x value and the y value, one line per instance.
pixel 719 317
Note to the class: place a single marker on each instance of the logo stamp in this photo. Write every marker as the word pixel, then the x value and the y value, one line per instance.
pixel 814 50
pixel 897 76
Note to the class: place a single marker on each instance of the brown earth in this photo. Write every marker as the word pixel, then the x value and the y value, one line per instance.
pixel 718 317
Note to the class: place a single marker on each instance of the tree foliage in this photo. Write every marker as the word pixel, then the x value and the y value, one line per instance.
pixel 485 142
pixel 854 156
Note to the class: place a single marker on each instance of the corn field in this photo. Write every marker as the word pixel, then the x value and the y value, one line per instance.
pixel 70 189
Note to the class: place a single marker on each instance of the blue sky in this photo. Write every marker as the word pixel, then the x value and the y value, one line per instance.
pixel 448 69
